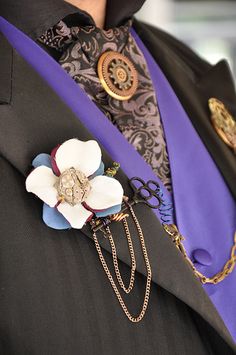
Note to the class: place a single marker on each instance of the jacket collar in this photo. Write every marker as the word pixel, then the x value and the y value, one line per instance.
pixel 56 123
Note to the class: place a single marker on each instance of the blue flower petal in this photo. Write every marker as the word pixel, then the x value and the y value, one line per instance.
pixel 54 219
pixel 98 172
pixel 42 159
pixel 109 211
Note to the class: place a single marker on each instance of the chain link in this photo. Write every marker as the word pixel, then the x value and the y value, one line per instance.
pixel 142 313
pixel 115 259
pixel 229 266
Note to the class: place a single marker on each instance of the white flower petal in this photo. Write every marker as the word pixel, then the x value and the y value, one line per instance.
pixel 84 156
pixel 76 215
pixel 106 192
pixel 41 182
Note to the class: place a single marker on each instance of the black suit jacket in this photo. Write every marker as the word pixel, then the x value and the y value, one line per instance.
pixel 54 295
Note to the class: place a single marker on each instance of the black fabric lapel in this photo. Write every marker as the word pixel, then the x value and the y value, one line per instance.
pixel 194 83
pixel 36 121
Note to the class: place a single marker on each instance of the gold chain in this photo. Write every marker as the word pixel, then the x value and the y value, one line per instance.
pixel 229 266
pixel 115 259
pixel 110 277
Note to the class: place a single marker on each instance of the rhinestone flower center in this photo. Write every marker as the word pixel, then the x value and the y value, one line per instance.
pixel 72 186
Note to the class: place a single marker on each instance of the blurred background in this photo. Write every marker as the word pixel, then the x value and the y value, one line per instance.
pixel 209 27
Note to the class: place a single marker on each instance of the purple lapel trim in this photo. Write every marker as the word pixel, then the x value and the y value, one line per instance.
pixel 205 209
pixel 86 111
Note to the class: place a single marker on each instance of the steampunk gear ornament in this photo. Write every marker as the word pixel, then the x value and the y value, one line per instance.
pixel 73 186
pixel 118 75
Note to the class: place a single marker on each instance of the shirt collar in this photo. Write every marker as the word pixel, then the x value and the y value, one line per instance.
pixel 35 17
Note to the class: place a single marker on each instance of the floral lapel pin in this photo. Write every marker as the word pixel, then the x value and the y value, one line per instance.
pixel 75 189
pixel 72 185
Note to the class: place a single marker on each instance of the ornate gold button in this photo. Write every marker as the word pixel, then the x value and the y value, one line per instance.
pixel 118 75
pixel 223 122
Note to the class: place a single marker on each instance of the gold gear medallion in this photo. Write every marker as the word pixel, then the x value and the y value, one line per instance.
pixel 117 75
pixel 223 122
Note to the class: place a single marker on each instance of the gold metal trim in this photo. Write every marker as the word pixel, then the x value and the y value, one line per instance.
pixel 223 122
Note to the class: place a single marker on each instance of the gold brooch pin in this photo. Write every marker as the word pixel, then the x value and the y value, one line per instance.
pixel 223 122
pixel 118 75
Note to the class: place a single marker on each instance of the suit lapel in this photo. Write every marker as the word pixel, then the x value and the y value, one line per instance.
pixel 36 123
pixel 194 88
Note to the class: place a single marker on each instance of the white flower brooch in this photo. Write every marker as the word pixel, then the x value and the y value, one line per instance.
pixel 72 185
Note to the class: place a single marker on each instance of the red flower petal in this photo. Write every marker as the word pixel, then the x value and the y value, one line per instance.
pixel 53 161
pixel 91 209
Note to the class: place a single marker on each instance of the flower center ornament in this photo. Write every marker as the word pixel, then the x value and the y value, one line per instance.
pixel 73 187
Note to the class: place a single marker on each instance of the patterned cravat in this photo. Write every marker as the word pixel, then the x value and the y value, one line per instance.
pixel 138 118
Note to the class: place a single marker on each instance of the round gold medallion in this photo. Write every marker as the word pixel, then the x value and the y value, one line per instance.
pixel 118 75
pixel 223 122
